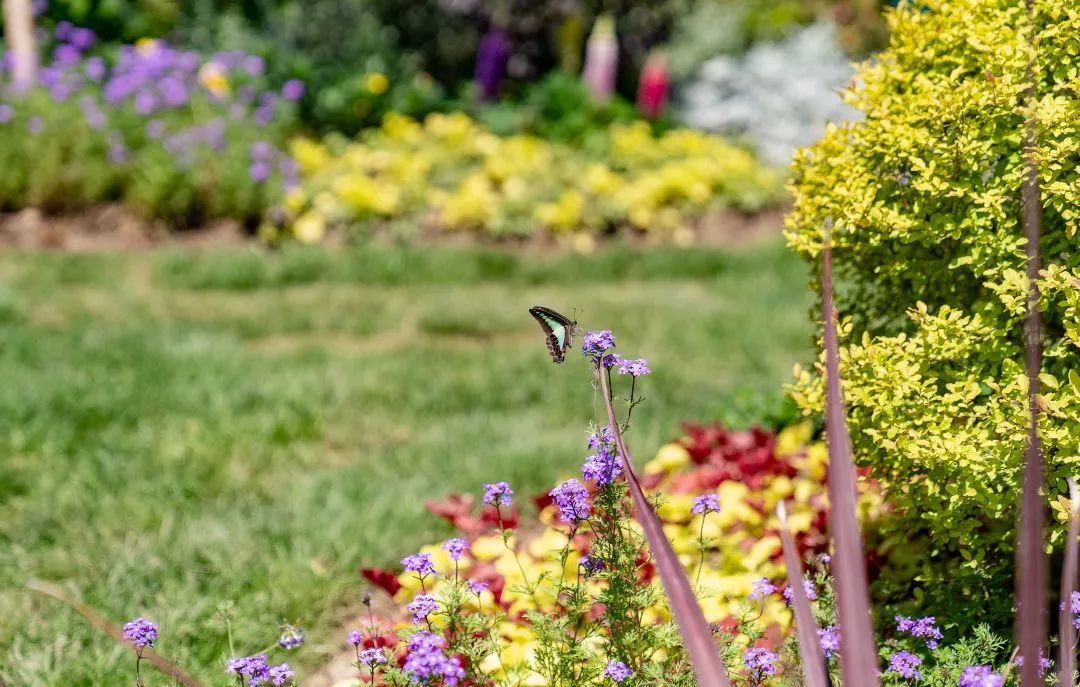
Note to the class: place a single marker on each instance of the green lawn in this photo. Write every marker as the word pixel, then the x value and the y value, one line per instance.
pixel 178 430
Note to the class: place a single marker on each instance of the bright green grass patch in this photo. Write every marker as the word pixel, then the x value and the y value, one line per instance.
pixel 178 430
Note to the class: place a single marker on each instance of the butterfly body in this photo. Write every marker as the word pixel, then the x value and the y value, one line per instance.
pixel 558 328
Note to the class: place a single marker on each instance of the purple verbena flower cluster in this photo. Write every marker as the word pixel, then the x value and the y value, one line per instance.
pixel 1044 662
pixel 808 585
pixel 829 638
pixel 595 343
pixel 455 548
pixel 1074 608
pixel 761 588
pixel 572 499
pixel 706 503
pixel 372 657
pixel 355 637
pixel 477 587
pixel 634 368
pixel 602 467
pixel 140 632
pixel 291 637
pixel 905 664
pixel 419 563
pixel 422 606
pixel 498 494
pixel 425 660
pixel 760 662
pixel 591 564
pixel 617 671
pixel 920 627
pixel 258 671
pixel 980 676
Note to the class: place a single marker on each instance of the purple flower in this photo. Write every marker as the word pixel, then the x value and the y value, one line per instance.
pixel 602 467
pixel 921 627
pixel 825 559
pixel 1074 608
pixel 35 125
pixel 635 368
pixel 1044 662
pixel 572 499
pixel 829 638
pixel 82 38
pixel 808 585
pixel 291 637
pixel 276 675
pixel 497 494
pixel 263 115
pixel 707 503
pixel 591 564
pixel 422 606
pixel 618 671
pixel 761 588
pixel 140 632
pixel 95 68
pixel 455 547
pixel 355 637
pixel 905 663
pixel 372 657
pixel 259 172
pixel 254 65
pixel 63 30
pixel 595 343
pixel 66 55
pixel 261 150
pixel 118 153
pixel 605 439
pixel 477 587
pixel 760 662
pixel 292 90
pixel 255 668
pixel 155 129
pixel 145 102
pixel 425 659
pixel 980 676
pixel 492 55
pixel 419 563
pixel 6 113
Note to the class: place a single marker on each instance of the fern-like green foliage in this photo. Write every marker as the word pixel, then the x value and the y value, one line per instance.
pixel 924 193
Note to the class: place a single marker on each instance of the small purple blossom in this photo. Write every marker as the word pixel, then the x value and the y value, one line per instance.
pixel 419 563
pixel 35 125
pixel 761 588
pixel 477 587
pixel 634 368
pixel 1074 608
pixel 706 503
pixel 422 606
pixel 497 494
pixel 455 547
pixel 425 659
pixel 595 343
pixel 920 627
pixel 1044 662
pixel 6 113
pixel 259 172
pixel 980 676
pixel 255 668
pixel 292 90
pixel 829 638
pixel 572 499
pixel 905 663
pixel 604 439
pixel 291 637
pixel 808 585
pixel 618 671
pixel 277 675
pixel 355 637
pixel 372 657
pixel 140 632
pixel 760 662
pixel 825 559
pixel 591 564
pixel 602 467
pixel 95 69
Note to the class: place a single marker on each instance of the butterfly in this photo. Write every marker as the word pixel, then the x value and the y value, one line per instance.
pixel 559 329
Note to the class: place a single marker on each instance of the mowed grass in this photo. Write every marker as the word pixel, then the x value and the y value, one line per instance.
pixel 179 430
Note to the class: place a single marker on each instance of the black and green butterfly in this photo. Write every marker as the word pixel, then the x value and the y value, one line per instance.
pixel 559 329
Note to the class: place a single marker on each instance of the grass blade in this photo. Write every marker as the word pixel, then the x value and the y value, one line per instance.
pixel 1066 630
pixel 813 660
pixel 1031 567
pixel 700 645
pixel 858 656
pixel 110 628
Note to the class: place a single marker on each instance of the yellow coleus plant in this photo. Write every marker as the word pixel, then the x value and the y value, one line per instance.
pixel 450 173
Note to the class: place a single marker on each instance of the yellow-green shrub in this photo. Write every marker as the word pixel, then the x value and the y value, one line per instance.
pixel 925 196
pixel 451 173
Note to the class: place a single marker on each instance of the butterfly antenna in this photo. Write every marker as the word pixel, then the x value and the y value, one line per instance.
pixel 575 316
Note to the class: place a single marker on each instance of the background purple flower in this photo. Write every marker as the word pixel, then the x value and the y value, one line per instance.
pixel 761 588
pixel 706 503
pixel 572 499
pixel 497 494
pixel 635 368
pixel 372 657
pixel 829 638
pixel 292 90
pixel 594 343
pixel 355 638
pixel 808 585
pixel 602 467
pixel 905 663
pixel 980 676
pixel 425 659
pixel 921 627
pixel 760 662
pixel 455 548
pixel 477 587
pixel 419 563
pixel 422 606
pixel 140 632
pixel 7 112
pixel 291 637
pixel 618 671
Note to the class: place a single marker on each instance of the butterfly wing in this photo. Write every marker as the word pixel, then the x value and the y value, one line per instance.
pixel 558 328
